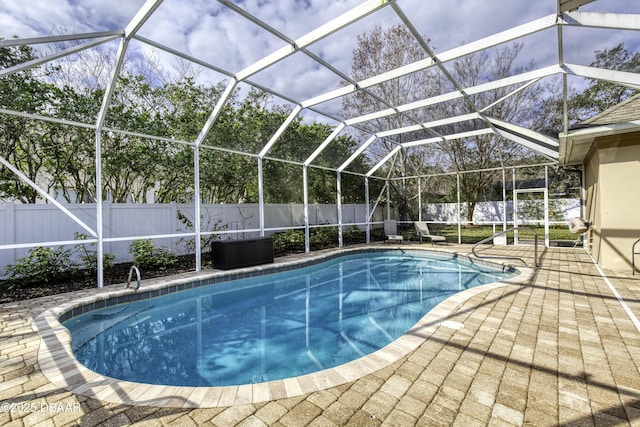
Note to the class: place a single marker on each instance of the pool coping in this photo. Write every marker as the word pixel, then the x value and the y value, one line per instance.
pixel 60 367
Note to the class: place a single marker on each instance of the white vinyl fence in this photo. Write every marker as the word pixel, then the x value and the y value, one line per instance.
pixel 560 211
pixel 23 224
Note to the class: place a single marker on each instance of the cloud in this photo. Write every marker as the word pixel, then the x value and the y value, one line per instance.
pixel 208 30
pixel 295 18
pixel 43 17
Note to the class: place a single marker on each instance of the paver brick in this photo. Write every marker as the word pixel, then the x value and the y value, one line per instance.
pixel 121 420
pixel 271 412
pixel 338 413
pixel 251 421
pixel 321 421
pixel 399 418
pixel 466 420
pixel 233 415
pixel 353 399
pixel 508 414
pixel 301 414
pixel 559 351
pixel 396 386
pixel 322 399
pixel 411 406
pixel 203 415
pixel 380 404
pixel 475 409
pixel 438 416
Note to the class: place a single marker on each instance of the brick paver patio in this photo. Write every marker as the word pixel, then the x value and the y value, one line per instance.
pixel 560 350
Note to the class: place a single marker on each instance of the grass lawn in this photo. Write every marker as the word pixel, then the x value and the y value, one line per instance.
pixel 475 233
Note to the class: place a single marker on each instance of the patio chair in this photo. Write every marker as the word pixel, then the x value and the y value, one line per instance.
pixel 422 230
pixel 391 231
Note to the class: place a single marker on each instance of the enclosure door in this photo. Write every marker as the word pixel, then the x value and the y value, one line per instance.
pixel 531 208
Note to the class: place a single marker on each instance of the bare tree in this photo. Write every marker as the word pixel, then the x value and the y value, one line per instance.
pixel 379 51
pixel 487 151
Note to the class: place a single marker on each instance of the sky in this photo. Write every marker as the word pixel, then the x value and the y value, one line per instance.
pixel 214 33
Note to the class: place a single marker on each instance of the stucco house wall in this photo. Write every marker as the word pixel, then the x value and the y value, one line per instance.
pixel 608 147
pixel 612 204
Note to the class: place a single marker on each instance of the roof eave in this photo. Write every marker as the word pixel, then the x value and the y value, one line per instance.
pixel 585 137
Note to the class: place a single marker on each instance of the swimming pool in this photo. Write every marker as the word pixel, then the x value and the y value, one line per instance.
pixel 274 326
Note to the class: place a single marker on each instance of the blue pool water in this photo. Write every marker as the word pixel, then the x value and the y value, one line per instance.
pixel 273 326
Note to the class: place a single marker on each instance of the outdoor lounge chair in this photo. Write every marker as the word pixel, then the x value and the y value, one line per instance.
pixel 391 231
pixel 422 230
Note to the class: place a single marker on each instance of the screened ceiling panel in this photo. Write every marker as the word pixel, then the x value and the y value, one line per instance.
pixel 52 17
pixel 297 76
pixel 210 32
pixel 331 108
pixel 449 25
pixel 279 14
pixel 581 43
pixel 337 48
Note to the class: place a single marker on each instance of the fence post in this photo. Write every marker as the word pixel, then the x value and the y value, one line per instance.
pixel 10 228
pixel 106 225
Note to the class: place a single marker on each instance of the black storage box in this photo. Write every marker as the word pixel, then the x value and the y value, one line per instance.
pixel 228 254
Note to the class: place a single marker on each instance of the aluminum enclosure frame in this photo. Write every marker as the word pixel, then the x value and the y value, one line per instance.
pixel 566 16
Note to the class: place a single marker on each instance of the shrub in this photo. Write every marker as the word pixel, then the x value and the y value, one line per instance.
pixel 288 241
pixel 320 238
pixel 41 265
pixel 352 234
pixel 89 256
pixel 205 241
pixel 324 237
pixel 147 256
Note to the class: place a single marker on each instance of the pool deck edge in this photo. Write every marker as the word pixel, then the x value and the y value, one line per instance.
pixel 61 368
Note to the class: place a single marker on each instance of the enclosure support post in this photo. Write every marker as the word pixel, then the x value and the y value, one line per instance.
pixel 99 218
pixel 102 114
pixel 504 201
pixel 388 202
pixel 459 210
pixel 305 191
pixel 367 207
pixel 583 210
pixel 260 197
pixel 196 194
pixel 515 207
pixel 261 156
pixel 419 201
pixel 546 206
pixel 339 207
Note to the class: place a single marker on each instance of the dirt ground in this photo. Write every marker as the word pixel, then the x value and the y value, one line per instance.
pixel 119 273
